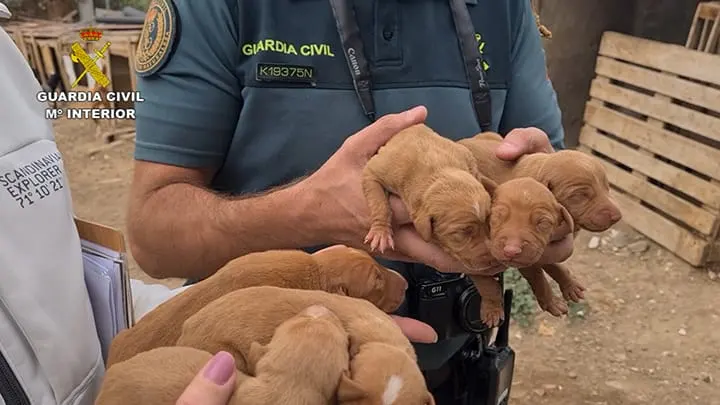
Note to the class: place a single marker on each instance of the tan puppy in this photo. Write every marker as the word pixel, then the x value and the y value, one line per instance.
pixel 303 364
pixel 524 216
pixel 371 385
pixel 438 180
pixel 155 377
pixel 236 320
pixel 577 180
pixel 338 269
pixel 579 183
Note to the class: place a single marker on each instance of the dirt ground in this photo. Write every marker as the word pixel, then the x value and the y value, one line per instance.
pixel 649 332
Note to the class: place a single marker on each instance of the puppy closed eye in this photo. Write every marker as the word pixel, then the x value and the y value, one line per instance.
pixel 580 196
pixel 464 233
pixel 545 225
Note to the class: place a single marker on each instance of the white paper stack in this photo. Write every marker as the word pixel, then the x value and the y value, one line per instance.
pixel 107 280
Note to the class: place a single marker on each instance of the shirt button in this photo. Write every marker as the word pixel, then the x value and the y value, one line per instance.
pixel 388 34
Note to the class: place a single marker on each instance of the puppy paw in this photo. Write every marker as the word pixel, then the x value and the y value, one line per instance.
pixel 380 238
pixel 555 306
pixel 573 291
pixel 491 315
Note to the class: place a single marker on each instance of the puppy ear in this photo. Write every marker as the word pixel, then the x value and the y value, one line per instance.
pixel 489 184
pixel 567 217
pixel 256 352
pixel 348 390
pixel 424 223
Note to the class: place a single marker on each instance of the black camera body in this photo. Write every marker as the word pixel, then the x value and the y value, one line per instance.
pixel 449 303
pixel 479 372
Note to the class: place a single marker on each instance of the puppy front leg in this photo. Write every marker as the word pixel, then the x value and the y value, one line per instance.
pixel 380 236
pixel 548 301
pixel 491 306
pixel 571 289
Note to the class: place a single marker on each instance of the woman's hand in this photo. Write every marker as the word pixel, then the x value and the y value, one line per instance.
pixel 213 385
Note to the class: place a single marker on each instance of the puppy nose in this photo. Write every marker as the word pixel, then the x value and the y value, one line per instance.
pixel 511 250
pixel 611 215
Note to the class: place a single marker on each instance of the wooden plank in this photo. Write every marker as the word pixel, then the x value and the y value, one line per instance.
pixel 663 231
pixel 47 60
pixel 713 37
pixel 690 43
pixel 672 86
pixel 701 158
pixel 692 215
pixel 38 60
pixel 658 55
pixel 131 65
pixel 703 34
pixel 703 191
pixel 683 117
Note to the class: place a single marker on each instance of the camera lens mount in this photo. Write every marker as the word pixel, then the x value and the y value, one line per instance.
pixel 469 311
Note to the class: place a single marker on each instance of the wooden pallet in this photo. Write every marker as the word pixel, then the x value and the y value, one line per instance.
pixel 653 119
pixel 705 30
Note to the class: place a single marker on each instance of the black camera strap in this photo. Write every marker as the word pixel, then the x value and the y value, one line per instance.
pixel 349 32
pixel 479 87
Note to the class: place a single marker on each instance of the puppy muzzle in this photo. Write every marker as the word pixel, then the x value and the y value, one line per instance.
pixel 394 292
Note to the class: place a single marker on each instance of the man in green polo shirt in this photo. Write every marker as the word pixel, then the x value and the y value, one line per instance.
pixel 245 98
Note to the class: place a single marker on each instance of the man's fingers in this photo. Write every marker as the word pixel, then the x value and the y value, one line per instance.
pixel 410 243
pixel 416 331
pixel 522 141
pixel 366 143
pixel 213 385
pixel 401 216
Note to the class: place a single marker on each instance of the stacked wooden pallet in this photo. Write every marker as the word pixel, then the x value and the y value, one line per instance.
pixel 705 30
pixel 653 118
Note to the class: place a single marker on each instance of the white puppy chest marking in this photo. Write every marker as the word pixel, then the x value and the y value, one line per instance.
pixel 392 390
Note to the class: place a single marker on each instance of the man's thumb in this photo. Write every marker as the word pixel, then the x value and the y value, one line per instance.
pixel 371 138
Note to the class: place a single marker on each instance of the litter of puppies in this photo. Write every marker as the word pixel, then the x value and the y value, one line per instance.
pixel 314 328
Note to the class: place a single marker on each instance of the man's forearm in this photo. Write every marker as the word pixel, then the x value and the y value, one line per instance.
pixel 182 230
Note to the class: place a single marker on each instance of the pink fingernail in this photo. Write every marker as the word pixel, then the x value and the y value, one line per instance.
pixel 220 368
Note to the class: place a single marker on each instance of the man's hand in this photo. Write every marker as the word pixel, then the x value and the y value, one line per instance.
pixel 523 141
pixel 342 211
pixel 213 385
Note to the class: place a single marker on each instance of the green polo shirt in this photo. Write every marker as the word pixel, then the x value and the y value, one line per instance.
pixel 205 105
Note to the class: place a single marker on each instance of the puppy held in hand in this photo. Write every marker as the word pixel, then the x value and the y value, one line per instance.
pixel 578 180
pixel 439 183
pixel 372 383
pixel 155 377
pixel 383 362
pixel 337 269
pixel 304 362
pixel 579 183
pixel 524 216
pixel 236 320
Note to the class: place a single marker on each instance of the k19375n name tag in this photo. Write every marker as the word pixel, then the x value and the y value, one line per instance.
pixel 281 72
